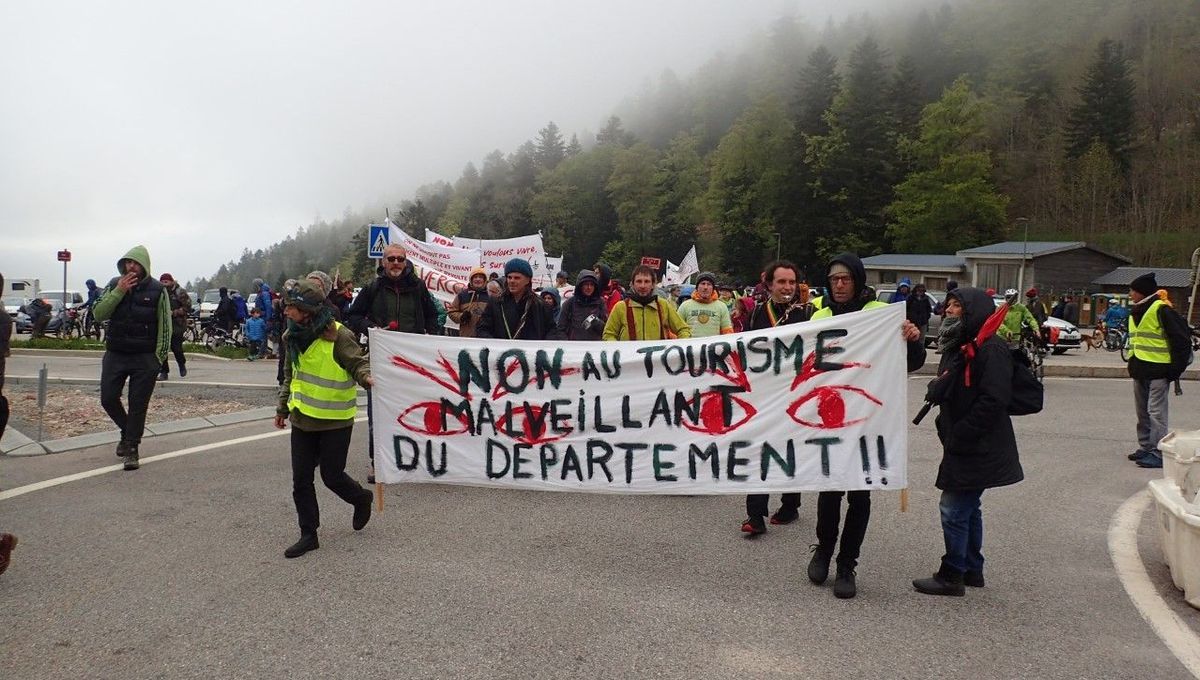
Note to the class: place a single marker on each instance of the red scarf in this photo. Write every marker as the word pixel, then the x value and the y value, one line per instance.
pixel 988 330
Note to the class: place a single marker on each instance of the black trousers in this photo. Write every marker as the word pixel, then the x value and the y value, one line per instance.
pixel 327 450
pixel 177 350
pixel 829 515
pixel 756 504
pixel 141 370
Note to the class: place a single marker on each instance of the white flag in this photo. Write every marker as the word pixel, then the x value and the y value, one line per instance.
pixel 690 265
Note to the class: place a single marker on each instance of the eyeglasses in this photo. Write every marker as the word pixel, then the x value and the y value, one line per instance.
pixel 393 258
pixel 841 278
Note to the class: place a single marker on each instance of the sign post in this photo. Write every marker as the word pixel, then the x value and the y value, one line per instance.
pixel 64 256
pixel 378 241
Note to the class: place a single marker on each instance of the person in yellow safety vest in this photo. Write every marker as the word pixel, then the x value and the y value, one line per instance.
pixel 319 398
pixel 848 293
pixel 1160 349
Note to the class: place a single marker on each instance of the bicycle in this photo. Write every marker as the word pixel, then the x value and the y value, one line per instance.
pixel 215 337
pixel 1035 350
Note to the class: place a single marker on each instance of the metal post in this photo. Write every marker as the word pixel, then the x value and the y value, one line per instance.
pixel 1024 255
pixel 64 284
pixel 41 398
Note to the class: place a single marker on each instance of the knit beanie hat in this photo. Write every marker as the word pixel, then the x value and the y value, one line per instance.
pixel 325 279
pixel 306 296
pixel 1146 284
pixel 518 266
pixel 708 276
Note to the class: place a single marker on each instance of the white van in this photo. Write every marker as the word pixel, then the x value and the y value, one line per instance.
pixel 73 297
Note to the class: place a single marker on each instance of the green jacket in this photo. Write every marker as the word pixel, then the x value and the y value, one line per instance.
pixel 1018 315
pixel 112 296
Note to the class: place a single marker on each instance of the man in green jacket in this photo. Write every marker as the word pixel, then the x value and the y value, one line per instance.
pixel 138 312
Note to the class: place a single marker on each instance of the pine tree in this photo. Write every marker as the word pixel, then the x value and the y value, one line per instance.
pixel 1106 108
pixel 574 148
pixel 614 134
pixel 550 148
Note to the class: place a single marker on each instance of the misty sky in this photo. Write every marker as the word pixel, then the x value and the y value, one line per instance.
pixel 202 128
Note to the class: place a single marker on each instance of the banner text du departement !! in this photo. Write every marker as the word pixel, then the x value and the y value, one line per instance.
pixel 805 407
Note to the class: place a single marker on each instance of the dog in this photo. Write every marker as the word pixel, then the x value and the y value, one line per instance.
pixel 1095 340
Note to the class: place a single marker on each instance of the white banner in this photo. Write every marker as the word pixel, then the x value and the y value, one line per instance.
pixel 813 406
pixel 453 262
pixel 496 251
pixel 672 274
pixel 689 265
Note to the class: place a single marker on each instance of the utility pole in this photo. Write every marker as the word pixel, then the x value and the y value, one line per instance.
pixel 1024 255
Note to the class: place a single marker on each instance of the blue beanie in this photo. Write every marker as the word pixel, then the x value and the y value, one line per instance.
pixel 518 266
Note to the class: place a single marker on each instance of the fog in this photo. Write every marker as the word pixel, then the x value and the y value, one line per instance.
pixel 201 131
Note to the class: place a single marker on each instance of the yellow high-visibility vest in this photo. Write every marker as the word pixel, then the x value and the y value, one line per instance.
pixel 1147 340
pixel 320 387
pixel 825 312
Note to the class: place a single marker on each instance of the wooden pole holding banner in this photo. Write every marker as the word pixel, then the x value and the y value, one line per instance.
pixel 903 500
pixel 378 496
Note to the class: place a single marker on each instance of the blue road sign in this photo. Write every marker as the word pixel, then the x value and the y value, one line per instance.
pixel 378 241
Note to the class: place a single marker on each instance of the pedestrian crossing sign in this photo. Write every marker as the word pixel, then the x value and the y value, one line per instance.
pixel 378 241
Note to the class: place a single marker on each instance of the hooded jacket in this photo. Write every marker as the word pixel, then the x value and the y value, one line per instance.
pixel 552 292
pixel 468 306
pixel 902 295
pixel 860 298
pixel 979 449
pixel 402 304
pixel 573 321
pixel 140 320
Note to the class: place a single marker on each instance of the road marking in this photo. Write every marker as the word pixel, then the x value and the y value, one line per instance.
pixel 1123 547
pixel 66 479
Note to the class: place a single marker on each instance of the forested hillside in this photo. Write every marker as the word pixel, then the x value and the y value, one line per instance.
pixel 930 130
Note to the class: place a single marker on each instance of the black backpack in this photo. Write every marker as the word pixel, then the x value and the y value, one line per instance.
pixel 1027 392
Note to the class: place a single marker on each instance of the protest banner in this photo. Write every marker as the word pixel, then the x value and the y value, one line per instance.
pixel 813 406
pixel 495 252
pixel 453 262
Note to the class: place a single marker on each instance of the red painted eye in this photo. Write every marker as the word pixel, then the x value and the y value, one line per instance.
pixel 712 417
pixel 828 407
pixel 531 423
pixel 426 418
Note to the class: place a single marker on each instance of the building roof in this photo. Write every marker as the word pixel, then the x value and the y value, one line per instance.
pixel 906 261
pixel 1032 249
pixel 1167 278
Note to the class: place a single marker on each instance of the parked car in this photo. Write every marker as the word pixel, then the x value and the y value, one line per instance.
pixel 935 322
pixel 13 303
pixel 73 297
pixel 25 324
pixel 208 304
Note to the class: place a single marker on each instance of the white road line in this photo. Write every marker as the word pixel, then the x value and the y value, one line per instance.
pixel 66 479
pixel 1123 547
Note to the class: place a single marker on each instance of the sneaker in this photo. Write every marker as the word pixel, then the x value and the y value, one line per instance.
pixel 844 587
pixel 131 459
pixel 182 370
pixel 1136 454
pixel 362 512
pixel 163 376
pixel 250 358
pixel 783 516
pixel 7 543
pixel 818 566
pixel 305 544
pixel 123 448
pixel 1149 460
pixel 754 526
pixel 973 579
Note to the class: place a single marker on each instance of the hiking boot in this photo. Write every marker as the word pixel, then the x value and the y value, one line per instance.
pixel 944 582
pixel 7 543
pixel 973 579
pixel 302 546
pixel 754 526
pixel 131 459
pixel 818 566
pixel 123 448
pixel 362 512
pixel 182 370
pixel 163 376
pixel 1149 459
pixel 843 584
pixel 785 516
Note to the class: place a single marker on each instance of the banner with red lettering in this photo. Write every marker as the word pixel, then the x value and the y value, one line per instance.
pixel 805 407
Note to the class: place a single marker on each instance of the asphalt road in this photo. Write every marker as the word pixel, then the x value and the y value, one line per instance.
pixel 176 571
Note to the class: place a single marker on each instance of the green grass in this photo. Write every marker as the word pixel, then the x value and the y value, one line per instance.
pixel 93 345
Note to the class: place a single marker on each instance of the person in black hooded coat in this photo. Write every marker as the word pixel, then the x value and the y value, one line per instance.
pixel 979 448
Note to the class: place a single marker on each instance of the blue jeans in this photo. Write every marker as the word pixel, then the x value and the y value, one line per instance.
pixel 962 530
pixel 1150 401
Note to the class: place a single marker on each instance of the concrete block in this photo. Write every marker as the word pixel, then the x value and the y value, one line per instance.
pixel 83 441
pixel 243 416
pixel 178 426
pixel 14 441
pixel 30 449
